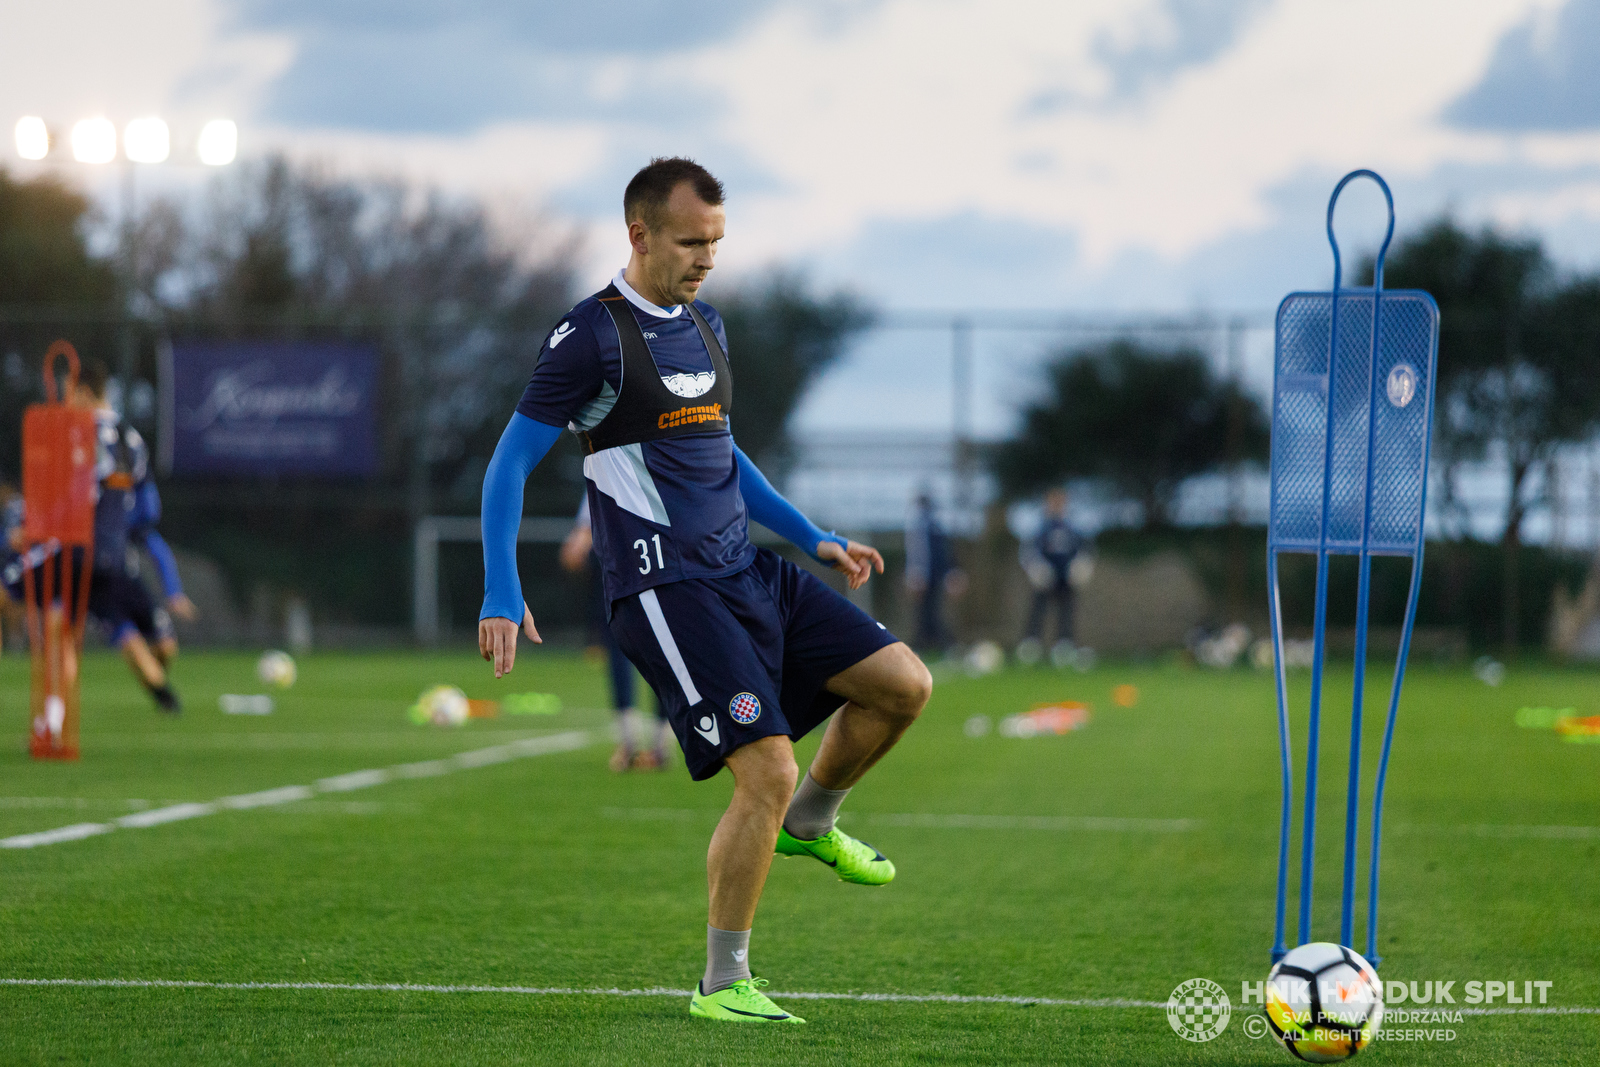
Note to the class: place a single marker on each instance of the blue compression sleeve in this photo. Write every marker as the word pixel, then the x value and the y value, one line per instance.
pixel 146 505
pixel 165 563
pixel 775 513
pixel 521 447
pixel 142 521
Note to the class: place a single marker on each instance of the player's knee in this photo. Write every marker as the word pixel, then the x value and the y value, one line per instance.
pixel 767 769
pixel 910 690
pixel 786 778
pixel 781 770
pixel 918 689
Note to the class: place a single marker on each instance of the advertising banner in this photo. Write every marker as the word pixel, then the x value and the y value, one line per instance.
pixel 270 407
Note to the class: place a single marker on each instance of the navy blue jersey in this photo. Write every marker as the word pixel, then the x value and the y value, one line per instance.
pixel 122 466
pixel 664 510
pixel 1052 550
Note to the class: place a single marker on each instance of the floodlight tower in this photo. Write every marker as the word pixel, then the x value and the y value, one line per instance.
pixel 146 140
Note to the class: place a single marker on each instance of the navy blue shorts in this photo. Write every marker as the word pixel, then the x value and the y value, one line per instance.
pixel 736 659
pixel 123 606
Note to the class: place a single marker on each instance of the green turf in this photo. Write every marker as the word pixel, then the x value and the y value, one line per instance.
pixel 551 872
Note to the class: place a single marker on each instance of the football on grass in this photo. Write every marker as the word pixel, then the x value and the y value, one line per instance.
pixel 443 705
pixel 276 668
pixel 1324 1002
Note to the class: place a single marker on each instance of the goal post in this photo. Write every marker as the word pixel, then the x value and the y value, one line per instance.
pixel 433 530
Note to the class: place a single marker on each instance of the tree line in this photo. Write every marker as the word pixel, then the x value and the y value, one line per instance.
pixel 1518 379
pixel 456 296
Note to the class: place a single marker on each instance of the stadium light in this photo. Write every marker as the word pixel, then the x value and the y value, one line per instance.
pixel 33 137
pixel 146 140
pixel 94 141
pixel 219 143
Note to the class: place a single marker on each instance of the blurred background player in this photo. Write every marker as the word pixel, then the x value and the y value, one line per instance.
pixel 929 568
pixel 577 554
pixel 142 534
pixel 17 559
pixel 124 515
pixel 11 562
pixel 1048 559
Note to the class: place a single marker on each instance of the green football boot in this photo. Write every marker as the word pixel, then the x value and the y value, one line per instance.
pixel 854 861
pixel 742 1002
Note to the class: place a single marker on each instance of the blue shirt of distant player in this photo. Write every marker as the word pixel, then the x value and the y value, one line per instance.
pixel 661 511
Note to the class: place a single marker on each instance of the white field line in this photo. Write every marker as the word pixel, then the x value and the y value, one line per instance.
pixel 344 783
pixel 286 794
pixel 172 813
pixel 259 740
pixel 79 803
pixel 663 991
pixel 346 807
pixel 1112 824
pixel 944 822
pixel 1036 822
pixel 654 991
pixel 1504 831
pixel 426 769
pixel 76 832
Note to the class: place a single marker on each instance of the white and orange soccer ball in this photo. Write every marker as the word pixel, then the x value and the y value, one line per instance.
pixel 1324 1002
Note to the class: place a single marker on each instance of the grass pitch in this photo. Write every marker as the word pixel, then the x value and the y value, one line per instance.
pixel 1112 863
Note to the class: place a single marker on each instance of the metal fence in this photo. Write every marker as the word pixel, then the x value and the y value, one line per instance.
pixel 924 396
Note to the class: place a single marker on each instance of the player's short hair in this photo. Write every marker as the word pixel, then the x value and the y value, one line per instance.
pixel 94 376
pixel 645 199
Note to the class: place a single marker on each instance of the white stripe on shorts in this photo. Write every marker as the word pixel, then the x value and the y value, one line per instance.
pixel 658 623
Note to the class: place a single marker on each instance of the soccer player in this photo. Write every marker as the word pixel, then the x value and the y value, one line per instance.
pixel 143 518
pixel 746 651
pixel 1047 559
pixel 929 565
pixel 117 598
pixel 49 572
pixel 13 562
pixel 576 553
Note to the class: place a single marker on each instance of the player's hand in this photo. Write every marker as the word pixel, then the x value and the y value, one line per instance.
pixel 182 607
pixel 497 640
pixel 855 561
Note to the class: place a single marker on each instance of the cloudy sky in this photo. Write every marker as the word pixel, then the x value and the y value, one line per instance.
pixel 1132 153
pixel 1093 155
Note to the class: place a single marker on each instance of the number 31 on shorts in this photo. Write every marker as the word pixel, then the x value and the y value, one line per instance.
pixel 644 553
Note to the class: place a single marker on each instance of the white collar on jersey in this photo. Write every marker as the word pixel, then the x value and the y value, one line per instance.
pixel 641 303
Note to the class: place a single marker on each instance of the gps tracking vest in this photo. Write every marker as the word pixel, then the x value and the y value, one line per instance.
pixel 646 410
